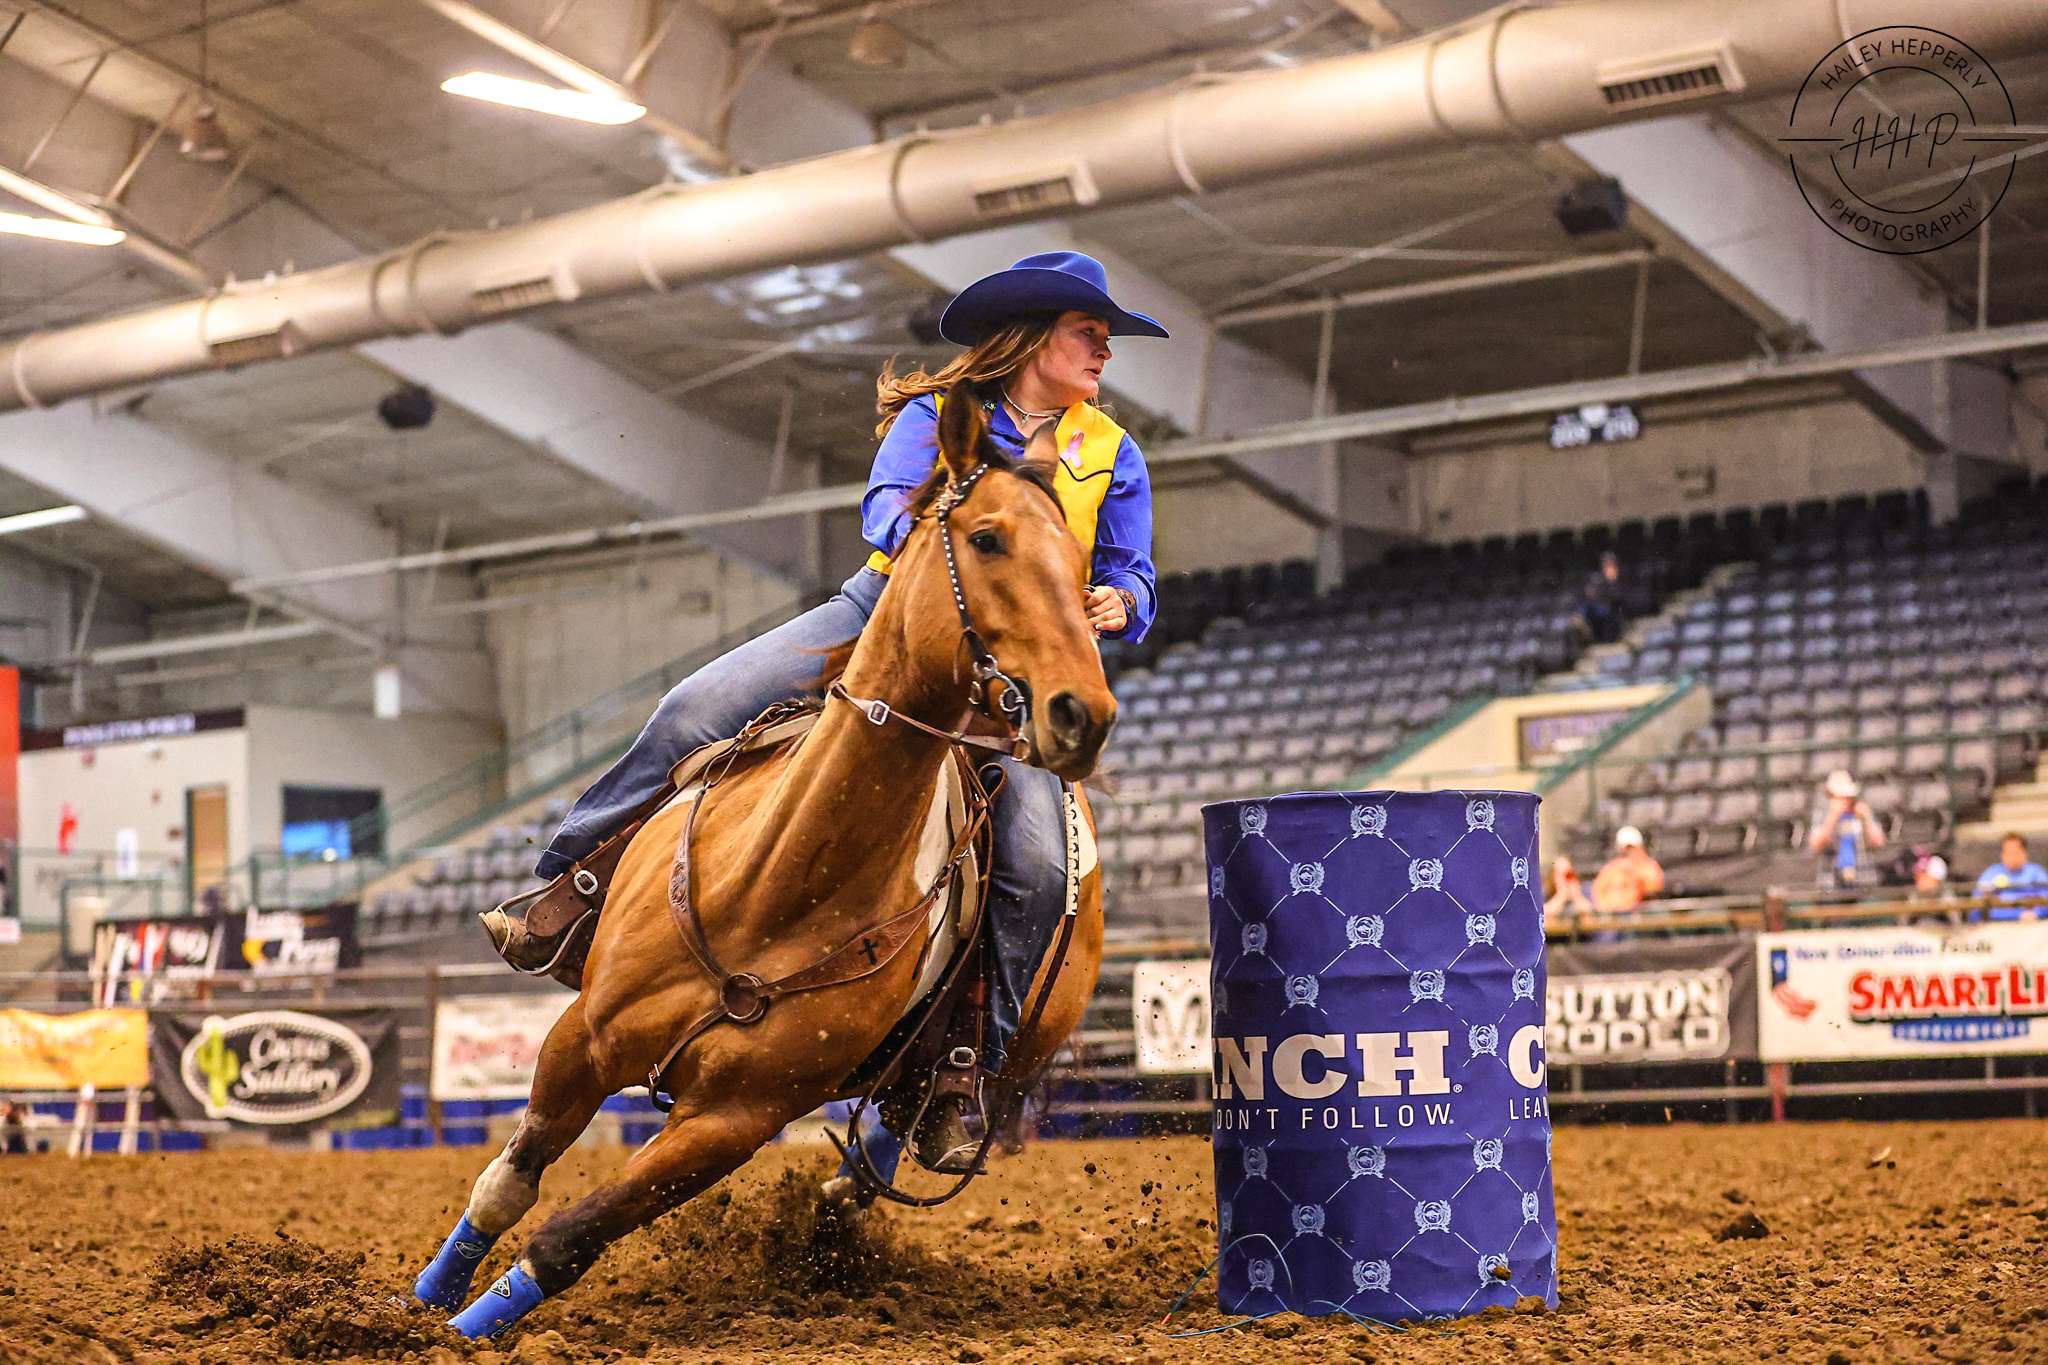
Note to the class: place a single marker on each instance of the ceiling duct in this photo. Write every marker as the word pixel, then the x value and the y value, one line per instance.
pixel 1520 73
pixel 1629 86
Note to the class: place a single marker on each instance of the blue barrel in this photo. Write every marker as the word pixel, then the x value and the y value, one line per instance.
pixel 1382 1123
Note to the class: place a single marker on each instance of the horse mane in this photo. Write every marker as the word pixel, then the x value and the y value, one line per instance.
pixel 963 426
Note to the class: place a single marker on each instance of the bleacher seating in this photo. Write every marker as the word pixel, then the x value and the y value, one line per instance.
pixel 461 883
pixel 1297 690
pixel 1875 643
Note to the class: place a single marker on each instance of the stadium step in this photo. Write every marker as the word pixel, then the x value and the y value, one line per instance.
pixel 2017 807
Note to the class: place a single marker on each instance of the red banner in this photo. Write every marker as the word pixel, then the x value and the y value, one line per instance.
pixel 10 752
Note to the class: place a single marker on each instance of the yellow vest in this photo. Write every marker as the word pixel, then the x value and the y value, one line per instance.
pixel 1088 442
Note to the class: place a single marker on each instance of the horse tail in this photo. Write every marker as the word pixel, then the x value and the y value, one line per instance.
pixel 963 427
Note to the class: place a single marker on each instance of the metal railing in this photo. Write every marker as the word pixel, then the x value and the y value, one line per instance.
pixel 516 772
pixel 1785 766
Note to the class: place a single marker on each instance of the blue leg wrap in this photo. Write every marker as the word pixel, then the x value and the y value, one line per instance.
pixel 444 1284
pixel 884 1148
pixel 511 1297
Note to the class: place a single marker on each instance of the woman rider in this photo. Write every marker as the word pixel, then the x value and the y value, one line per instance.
pixel 1037 335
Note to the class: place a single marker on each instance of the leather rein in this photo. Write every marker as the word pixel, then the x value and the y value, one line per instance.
pixel 743 997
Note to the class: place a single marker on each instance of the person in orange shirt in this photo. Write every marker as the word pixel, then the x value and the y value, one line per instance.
pixel 1630 877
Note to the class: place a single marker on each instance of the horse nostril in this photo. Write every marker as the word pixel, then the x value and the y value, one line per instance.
pixel 1069 717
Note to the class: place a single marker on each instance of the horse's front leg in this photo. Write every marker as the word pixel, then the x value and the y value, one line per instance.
pixel 696 1150
pixel 567 1091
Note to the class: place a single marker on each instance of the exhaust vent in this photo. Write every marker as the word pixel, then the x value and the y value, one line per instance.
pixel 242 350
pixel 510 298
pixel 1042 191
pixel 1669 80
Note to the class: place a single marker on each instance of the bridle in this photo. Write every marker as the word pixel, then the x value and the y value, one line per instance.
pixel 992 692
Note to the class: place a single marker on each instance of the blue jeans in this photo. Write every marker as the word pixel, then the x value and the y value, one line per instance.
pixel 1027 885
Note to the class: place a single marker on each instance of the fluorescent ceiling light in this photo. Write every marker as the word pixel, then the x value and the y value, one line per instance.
pixel 48 516
pixel 42 196
pixel 543 99
pixel 57 230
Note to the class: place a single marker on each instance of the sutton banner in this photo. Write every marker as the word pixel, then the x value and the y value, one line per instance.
pixel 276 1068
pixel 1921 991
pixel 1651 1000
pixel 1607 1004
pixel 104 1048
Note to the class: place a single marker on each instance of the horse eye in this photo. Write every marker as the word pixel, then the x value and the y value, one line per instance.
pixel 986 542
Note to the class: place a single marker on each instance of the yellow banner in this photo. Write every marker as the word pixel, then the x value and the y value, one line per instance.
pixel 104 1048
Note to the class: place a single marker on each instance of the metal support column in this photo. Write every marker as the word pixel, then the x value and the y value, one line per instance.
pixel 1330 538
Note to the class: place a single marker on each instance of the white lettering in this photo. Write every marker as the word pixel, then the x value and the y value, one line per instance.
pixel 1287 1065
pixel 1240 1068
pixel 1525 1063
pixel 1424 1064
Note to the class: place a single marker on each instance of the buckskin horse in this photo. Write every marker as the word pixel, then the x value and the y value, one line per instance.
pixel 790 864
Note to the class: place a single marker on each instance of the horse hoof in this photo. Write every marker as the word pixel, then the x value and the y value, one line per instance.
pixel 841 1191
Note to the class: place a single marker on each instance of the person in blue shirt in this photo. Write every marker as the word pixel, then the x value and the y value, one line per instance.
pixel 2014 877
pixel 1037 338
pixel 1845 832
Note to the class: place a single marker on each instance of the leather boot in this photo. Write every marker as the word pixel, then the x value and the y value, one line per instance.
pixel 557 909
pixel 940 1139
pixel 548 928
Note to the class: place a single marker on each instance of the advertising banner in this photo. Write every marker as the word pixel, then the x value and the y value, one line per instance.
pixel 486 1046
pixel 1651 1000
pixel 132 960
pixel 1933 990
pixel 1607 1004
pixel 276 1067
pixel 1170 1016
pixel 295 942
pixel 104 1048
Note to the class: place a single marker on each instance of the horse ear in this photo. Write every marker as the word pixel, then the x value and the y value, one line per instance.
pixel 963 429
pixel 1044 445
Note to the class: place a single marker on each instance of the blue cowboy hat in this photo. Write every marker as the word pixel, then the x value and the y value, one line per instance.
pixel 1050 282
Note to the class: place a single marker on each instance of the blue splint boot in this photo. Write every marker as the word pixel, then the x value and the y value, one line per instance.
pixel 511 1297
pixel 444 1284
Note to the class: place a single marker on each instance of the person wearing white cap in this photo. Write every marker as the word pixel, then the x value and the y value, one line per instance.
pixel 1848 827
pixel 1630 877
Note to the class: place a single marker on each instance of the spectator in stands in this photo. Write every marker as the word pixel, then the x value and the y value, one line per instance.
pixel 1567 895
pixel 2014 877
pixel 1930 876
pixel 1845 832
pixel 13 1128
pixel 1630 877
pixel 1601 608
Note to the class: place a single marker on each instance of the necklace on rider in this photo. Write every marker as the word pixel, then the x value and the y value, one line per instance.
pixel 1023 411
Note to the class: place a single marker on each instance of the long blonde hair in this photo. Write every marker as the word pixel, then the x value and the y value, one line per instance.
pixel 989 361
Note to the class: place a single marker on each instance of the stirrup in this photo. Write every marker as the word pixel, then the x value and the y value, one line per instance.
pixel 939 1140
pixel 516 946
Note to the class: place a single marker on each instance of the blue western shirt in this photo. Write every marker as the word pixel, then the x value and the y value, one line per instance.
pixel 1123 534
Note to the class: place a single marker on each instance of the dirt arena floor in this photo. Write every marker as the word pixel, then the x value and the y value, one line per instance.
pixel 1880 1242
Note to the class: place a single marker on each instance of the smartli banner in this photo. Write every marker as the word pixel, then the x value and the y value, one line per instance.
pixel 1651 1000
pixel 486 1046
pixel 1920 991
pixel 276 1068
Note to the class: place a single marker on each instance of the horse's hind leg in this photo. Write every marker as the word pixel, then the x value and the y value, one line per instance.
pixel 566 1092
pixel 693 1152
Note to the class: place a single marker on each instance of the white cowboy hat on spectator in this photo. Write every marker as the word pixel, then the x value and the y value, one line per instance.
pixel 1842 785
pixel 1628 836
